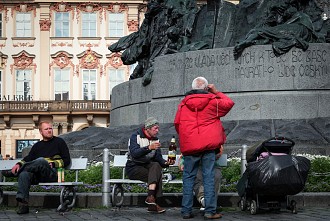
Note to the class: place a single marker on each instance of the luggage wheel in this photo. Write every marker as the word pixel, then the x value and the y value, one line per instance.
pixel 253 207
pixel 117 196
pixel 243 204
pixel 293 206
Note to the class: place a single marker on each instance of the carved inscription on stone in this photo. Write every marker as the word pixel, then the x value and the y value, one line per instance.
pixel 296 63
pixel 257 68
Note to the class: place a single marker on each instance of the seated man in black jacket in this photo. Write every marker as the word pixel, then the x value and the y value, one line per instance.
pixel 40 165
pixel 145 161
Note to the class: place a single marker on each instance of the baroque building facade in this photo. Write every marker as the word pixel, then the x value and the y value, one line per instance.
pixel 55 65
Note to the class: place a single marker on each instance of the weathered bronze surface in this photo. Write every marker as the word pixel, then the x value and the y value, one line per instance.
pixel 172 26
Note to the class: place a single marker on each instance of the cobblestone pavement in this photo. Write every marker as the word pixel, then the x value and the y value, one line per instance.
pixel 172 213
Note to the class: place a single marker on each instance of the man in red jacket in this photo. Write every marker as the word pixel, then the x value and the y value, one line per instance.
pixel 198 124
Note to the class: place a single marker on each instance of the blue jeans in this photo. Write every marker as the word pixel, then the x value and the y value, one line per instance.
pixel 32 173
pixel 191 164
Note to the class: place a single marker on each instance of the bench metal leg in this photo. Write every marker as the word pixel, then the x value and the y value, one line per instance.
pixel 117 195
pixel 67 198
pixel 1 196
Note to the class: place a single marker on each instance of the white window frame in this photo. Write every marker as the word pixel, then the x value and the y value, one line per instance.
pixel 116 24
pixel 58 84
pixel 117 79
pixel 88 84
pixel 87 23
pixel 59 24
pixel 26 87
pixel 25 23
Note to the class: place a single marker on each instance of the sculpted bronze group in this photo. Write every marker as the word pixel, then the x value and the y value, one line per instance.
pixel 172 26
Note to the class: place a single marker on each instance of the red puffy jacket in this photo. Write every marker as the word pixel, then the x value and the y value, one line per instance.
pixel 197 121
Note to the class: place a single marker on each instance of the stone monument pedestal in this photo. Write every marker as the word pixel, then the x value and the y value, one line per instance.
pixel 274 96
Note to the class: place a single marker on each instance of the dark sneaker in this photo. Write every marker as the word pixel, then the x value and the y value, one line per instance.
pixel 8 173
pixel 188 216
pixel 150 200
pixel 23 209
pixel 214 216
pixel 155 209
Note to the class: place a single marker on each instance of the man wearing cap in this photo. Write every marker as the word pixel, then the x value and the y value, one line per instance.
pixel 201 134
pixel 145 161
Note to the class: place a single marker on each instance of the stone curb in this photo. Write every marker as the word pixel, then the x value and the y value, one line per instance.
pixel 94 200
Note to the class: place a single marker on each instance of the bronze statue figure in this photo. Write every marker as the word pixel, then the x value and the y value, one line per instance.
pixel 172 26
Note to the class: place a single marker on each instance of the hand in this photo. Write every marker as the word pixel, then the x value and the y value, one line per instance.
pixel 212 89
pixel 154 146
pixel 220 152
pixel 170 162
pixel 15 169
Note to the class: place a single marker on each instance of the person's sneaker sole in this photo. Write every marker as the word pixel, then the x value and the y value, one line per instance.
pixel 150 203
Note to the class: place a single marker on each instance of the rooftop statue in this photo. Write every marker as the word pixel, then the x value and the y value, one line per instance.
pixel 172 26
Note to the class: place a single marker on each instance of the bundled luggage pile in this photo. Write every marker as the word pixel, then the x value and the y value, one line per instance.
pixel 272 175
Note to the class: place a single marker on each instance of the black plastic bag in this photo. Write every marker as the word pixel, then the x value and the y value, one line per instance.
pixel 276 175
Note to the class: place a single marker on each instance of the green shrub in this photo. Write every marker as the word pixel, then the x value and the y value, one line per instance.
pixel 318 178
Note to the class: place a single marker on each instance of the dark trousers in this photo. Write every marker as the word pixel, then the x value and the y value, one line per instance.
pixel 198 185
pixel 149 173
pixel 32 173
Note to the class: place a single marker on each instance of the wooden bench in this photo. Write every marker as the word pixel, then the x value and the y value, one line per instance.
pixel 68 192
pixel 117 193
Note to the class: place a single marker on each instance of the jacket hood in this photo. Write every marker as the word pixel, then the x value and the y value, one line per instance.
pixel 197 100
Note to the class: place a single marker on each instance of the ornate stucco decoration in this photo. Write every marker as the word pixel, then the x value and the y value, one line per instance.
pixel 61 44
pixel 89 60
pixel 89 45
pixel 4 10
pixel 117 7
pixel 45 25
pixel 133 25
pixel 23 44
pixel 89 7
pixel 61 59
pixel 114 60
pixel 3 60
pixel 24 8
pixel 62 7
pixel 23 60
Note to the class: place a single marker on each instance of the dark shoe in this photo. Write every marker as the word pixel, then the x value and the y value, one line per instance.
pixel 150 200
pixel 23 209
pixel 8 173
pixel 155 209
pixel 214 216
pixel 188 216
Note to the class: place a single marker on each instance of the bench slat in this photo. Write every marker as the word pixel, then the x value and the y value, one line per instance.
pixel 124 181
pixel 61 184
pixel 7 164
pixel 76 164
pixel 120 160
pixel 8 183
pixel 45 184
